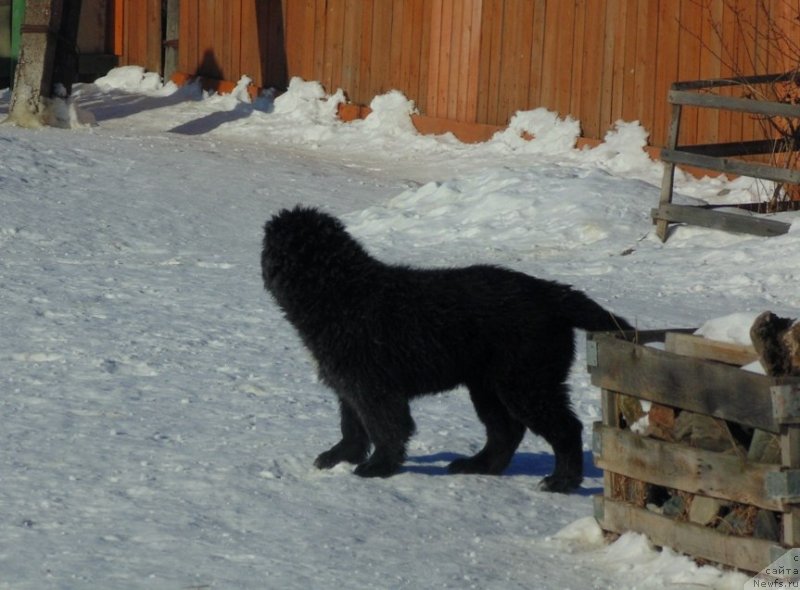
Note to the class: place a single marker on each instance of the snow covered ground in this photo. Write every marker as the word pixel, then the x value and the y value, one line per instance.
pixel 160 418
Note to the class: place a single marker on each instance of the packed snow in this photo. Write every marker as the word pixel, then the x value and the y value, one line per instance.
pixel 160 417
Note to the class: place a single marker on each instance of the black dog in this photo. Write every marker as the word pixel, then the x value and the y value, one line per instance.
pixel 384 334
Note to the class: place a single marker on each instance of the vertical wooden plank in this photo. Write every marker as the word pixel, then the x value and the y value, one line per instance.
pixel 491 61
pixel 550 51
pixel 249 61
pixel 119 26
pixel 566 35
pixel 434 59
pixel 446 35
pixel 579 36
pixel 474 62
pixel 422 22
pixel 218 42
pixel 537 49
pixel 365 58
pixel 591 81
pixel 453 90
pixel 618 72
pixel 727 41
pixel 511 61
pixel 645 68
pixel 351 49
pixel 464 37
pixel 235 41
pixel 319 31
pixel 710 66
pixel 607 79
pixel 666 67
pixel 524 23
pixel 629 106
pixel 410 49
pixel 334 34
pixel 396 44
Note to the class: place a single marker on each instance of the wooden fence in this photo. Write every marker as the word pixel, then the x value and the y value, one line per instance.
pixel 480 61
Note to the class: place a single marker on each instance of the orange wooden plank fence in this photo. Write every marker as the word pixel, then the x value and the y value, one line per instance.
pixel 480 61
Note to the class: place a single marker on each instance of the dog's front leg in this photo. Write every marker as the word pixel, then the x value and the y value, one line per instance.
pixel 353 447
pixel 389 425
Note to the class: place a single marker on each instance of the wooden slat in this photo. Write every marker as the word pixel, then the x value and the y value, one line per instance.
pixel 713 350
pixel 445 53
pixel 564 63
pixel 745 105
pixel 434 59
pixel 537 50
pixel 579 39
pixel 673 465
pixel 712 219
pixel 591 83
pixel 683 382
pixel 666 67
pixel 732 166
pixel 751 555
pixel 474 61
pixel 454 94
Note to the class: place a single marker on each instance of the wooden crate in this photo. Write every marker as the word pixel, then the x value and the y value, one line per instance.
pixel 642 468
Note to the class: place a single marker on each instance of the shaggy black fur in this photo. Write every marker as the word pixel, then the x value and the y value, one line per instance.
pixel 384 334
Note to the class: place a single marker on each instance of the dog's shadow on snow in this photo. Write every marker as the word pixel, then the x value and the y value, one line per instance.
pixel 522 465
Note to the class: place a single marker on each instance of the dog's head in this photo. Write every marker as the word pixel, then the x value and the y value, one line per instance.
pixel 304 247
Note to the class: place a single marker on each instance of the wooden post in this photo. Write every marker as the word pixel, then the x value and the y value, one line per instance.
pixel 662 225
pixel 34 75
pixel 790 459
pixel 171 40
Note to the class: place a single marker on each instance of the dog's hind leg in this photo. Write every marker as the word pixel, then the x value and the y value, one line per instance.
pixel 503 435
pixel 389 424
pixel 353 447
pixel 547 412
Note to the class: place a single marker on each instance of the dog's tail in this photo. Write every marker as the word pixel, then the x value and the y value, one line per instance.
pixel 586 314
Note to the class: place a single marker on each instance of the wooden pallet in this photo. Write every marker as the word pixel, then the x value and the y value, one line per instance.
pixel 678 374
pixel 721 157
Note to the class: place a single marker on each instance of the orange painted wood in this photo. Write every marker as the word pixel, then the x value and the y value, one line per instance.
pixel 483 60
pixel 592 75
pixel 445 59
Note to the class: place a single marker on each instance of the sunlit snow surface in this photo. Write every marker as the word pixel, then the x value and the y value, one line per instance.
pixel 160 418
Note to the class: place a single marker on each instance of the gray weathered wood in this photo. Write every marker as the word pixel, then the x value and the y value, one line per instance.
pixel 668 180
pixel 731 222
pixel 735 81
pixel 34 74
pixel 790 459
pixel 171 43
pixel 738 148
pixel 715 389
pixel 729 166
pixel 743 105
pixel 674 465
pixel 716 156
pixel 713 350
pixel 747 554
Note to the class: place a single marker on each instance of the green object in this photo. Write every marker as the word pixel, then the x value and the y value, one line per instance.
pixel 17 17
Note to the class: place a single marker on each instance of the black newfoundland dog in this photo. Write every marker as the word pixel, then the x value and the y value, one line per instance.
pixel 383 334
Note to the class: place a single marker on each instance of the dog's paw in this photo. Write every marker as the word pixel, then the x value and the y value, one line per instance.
pixel 376 469
pixel 327 460
pixel 560 484
pixel 341 452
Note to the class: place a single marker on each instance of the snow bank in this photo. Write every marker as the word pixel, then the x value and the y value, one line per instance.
pixel 134 79
pixel 733 328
